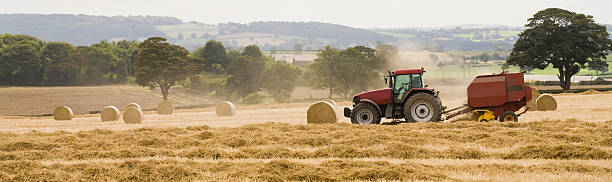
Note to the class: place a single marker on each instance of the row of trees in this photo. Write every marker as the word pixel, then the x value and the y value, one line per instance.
pixel 245 73
pixel 26 60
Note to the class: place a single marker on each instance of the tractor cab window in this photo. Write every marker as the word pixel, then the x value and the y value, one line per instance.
pixel 417 82
pixel 401 87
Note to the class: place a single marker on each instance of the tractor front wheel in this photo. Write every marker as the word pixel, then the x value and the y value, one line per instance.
pixel 508 116
pixel 365 113
pixel 422 107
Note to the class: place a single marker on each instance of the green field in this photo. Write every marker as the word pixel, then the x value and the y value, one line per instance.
pixel 187 29
pixel 455 71
pixel 399 35
pixel 502 33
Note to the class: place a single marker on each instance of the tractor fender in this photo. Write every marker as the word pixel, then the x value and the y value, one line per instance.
pixel 415 91
pixel 373 103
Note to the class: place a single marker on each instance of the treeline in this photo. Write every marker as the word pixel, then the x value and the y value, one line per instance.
pixel 84 29
pixel 26 60
pixel 233 74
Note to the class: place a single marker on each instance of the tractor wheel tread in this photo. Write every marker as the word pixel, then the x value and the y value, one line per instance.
pixel 428 98
pixel 373 110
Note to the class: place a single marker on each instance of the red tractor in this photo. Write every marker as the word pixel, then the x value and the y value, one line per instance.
pixel 407 98
pixel 489 97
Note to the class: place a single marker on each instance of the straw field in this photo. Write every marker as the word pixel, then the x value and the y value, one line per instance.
pixel 543 150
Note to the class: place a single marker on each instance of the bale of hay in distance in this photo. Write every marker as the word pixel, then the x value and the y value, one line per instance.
pixel 132 116
pixel 546 102
pixel 225 108
pixel 63 113
pixel 321 112
pixel 165 107
pixel 134 105
pixel 534 96
pixel 110 113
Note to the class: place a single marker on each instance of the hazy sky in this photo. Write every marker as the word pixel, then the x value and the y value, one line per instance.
pixel 356 13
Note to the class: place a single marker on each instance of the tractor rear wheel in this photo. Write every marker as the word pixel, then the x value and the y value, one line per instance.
pixel 365 113
pixel 508 116
pixel 422 107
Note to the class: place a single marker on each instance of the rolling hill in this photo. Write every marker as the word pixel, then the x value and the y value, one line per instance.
pixel 88 29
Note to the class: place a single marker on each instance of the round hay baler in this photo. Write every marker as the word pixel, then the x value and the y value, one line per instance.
pixel 496 96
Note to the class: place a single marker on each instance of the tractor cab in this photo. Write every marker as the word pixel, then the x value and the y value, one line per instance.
pixel 403 81
pixel 407 97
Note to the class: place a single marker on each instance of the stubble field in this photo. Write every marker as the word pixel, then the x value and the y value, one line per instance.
pixel 274 143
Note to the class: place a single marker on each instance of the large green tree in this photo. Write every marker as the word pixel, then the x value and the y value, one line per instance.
pixel 253 51
pixel 59 68
pixel 348 71
pixel 125 51
pixel 21 64
pixel 357 69
pixel 320 72
pixel 244 75
pixel 159 64
pixel 566 40
pixel 280 79
pixel 214 55
pixel 95 65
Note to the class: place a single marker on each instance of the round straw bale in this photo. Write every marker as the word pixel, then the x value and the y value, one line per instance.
pixel 132 115
pixel 338 115
pixel 63 113
pixel 534 96
pixel 546 102
pixel 321 112
pixel 226 108
pixel 110 113
pixel 134 105
pixel 165 107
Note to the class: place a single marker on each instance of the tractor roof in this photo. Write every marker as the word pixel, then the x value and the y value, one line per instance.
pixel 410 71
